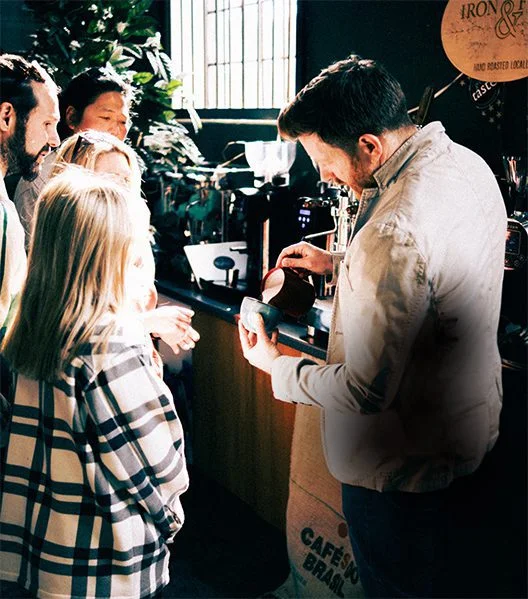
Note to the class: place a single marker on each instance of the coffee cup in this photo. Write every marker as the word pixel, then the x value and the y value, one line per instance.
pixel 251 306
pixel 288 291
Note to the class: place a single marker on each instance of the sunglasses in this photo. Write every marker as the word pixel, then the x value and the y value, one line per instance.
pixel 90 138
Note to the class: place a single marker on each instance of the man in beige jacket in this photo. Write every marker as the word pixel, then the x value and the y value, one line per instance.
pixel 411 392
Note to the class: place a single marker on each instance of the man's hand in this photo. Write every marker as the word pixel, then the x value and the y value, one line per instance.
pixel 173 325
pixel 304 256
pixel 258 349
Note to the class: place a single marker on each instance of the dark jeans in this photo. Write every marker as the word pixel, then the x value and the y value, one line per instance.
pixel 413 544
pixel 11 590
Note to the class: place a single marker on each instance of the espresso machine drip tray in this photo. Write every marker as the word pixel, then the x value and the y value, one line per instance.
pixel 222 292
pixel 318 320
pixel 220 269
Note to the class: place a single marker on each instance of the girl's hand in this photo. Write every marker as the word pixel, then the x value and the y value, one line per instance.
pixel 173 325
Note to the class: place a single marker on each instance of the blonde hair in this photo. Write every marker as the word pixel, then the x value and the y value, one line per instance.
pixel 86 233
pixel 86 147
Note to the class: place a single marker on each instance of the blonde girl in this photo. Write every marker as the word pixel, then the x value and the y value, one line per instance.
pixel 95 465
pixel 104 153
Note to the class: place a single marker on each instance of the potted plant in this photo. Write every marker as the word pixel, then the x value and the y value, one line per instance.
pixel 76 34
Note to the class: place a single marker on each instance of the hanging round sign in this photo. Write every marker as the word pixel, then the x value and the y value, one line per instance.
pixel 487 39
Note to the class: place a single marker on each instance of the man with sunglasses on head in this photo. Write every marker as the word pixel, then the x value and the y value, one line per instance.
pixel 29 113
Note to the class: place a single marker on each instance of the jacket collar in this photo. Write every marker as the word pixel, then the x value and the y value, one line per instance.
pixel 421 140
pixel 431 136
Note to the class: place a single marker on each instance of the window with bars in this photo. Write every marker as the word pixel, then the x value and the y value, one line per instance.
pixel 235 53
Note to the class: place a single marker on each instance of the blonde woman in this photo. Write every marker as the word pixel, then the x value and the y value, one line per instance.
pixel 95 464
pixel 100 152
pixel 104 153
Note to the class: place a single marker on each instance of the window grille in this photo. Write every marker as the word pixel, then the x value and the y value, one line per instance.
pixel 235 53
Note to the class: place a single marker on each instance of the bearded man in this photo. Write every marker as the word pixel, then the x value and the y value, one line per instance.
pixel 29 113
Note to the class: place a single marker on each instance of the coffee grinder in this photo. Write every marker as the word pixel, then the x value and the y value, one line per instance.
pixel 259 213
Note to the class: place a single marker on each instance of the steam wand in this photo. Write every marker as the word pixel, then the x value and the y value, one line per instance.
pixel 341 217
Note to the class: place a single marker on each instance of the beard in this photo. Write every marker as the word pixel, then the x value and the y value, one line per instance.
pixel 17 158
pixel 363 174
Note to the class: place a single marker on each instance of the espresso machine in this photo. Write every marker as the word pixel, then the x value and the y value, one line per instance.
pixel 326 221
pixel 513 329
pixel 517 209
pixel 256 214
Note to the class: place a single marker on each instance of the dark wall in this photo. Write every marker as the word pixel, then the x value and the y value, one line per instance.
pixel 213 137
pixel 405 36
pixel 16 25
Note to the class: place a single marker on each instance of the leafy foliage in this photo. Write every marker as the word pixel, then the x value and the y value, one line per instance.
pixel 74 35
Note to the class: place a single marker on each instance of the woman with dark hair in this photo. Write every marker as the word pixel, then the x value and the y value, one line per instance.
pixel 97 98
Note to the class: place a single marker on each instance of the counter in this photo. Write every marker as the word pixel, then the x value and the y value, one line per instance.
pixel 267 452
pixel 291 334
pixel 241 436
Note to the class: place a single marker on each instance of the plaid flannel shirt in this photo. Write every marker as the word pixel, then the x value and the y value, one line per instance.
pixel 94 472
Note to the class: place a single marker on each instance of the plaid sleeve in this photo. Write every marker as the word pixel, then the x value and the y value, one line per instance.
pixel 138 441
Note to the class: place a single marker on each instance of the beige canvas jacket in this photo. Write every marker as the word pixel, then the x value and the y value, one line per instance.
pixel 411 393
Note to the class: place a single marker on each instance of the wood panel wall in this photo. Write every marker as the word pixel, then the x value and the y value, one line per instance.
pixel 241 434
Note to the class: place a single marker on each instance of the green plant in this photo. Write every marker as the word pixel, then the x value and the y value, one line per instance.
pixel 121 34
